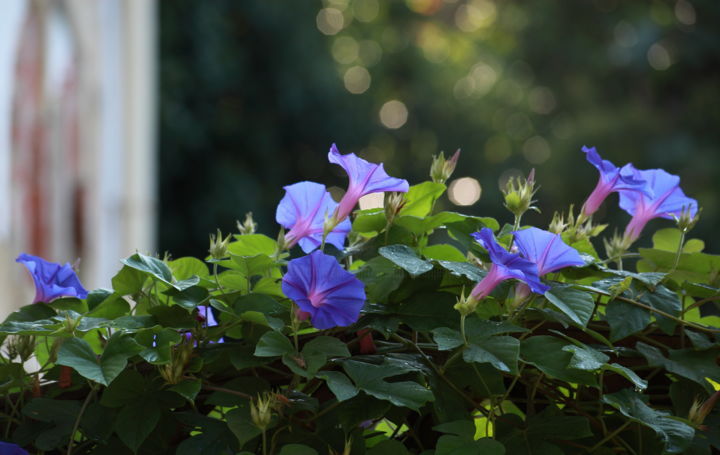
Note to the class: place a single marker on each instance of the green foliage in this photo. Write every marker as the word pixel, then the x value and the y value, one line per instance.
pixel 605 361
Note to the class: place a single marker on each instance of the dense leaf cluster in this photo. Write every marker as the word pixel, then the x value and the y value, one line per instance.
pixel 609 360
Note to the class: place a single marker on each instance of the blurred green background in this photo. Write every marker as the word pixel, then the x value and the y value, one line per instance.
pixel 254 92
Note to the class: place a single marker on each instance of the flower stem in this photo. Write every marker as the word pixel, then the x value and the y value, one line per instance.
pixel 93 389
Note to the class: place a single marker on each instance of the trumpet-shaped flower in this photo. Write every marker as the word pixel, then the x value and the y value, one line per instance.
pixel 611 179
pixel 365 178
pixel 321 287
pixel 52 280
pixel 667 201
pixel 546 250
pixel 8 448
pixel 505 265
pixel 303 211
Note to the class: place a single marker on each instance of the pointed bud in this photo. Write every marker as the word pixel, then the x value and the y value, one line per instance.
pixel 466 305
pixel 558 224
pixel 248 226
pixel 686 221
pixel 394 202
pixel 519 194
pixel 218 246
pixel 616 246
pixel 261 410
pixel 699 411
pixel 441 169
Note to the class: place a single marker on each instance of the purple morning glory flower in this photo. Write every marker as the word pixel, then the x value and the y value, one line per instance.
pixel 667 200
pixel 321 287
pixel 8 448
pixel 365 178
pixel 206 314
pixel 546 250
pixel 52 280
pixel 505 265
pixel 303 211
pixel 611 179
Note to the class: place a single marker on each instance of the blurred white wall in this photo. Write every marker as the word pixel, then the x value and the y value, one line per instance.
pixel 77 148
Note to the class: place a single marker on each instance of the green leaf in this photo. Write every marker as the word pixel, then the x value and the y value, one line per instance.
pixel 60 416
pixel 443 252
pixel 369 222
pixel 688 363
pixel 129 387
pixel 695 267
pixel 339 384
pixel 184 268
pixel 136 422
pixel 240 423
pixel 252 245
pixel 112 307
pixel 273 344
pixel 328 346
pixel 499 351
pixel 381 277
pixel 668 239
pixel 675 434
pixel 128 281
pixel 627 373
pixel 188 389
pixel 420 198
pixel 625 319
pixel 188 298
pixel 158 343
pixel 297 449
pixel 370 378
pixel 545 352
pixel 149 266
pixel 664 300
pixel 574 303
pixel 78 354
pixel 404 257
pixel 585 358
pixel 447 338
pixel 464 269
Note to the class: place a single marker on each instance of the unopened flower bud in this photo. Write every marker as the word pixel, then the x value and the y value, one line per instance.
pixel 248 226
pixel 261 410
pixel 180 356
pixel 616 246
pixel 519 194
pixel 466 305
pixel 699 411
pixel 394 202
pixel 558 224
pixel 686 221
pixel 219 246
pixel 441 169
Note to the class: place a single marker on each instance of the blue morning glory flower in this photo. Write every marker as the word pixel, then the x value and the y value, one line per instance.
pixel 205 314
pixel 321 287
pixel 365 178
pixel 505 265
pixel 8 448
pixel 303 211
pixel 546 250
pixel 611 179
pixel 52 280
pixel 667 201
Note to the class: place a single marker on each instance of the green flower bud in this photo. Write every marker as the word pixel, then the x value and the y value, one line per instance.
pixel 261 410
pixel 519 194
pixel 218 246
pixel 394 202
pixel 441 169
pixel 248 226
pixel 686 221
pixel 466 305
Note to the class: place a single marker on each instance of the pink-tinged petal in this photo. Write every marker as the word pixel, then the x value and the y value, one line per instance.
pixel 612 179
pixel 505 266
pixel 365 178
pixel 303 210
pixel 667 201
pixel 52 280
pixel 546 250
pixel 321 287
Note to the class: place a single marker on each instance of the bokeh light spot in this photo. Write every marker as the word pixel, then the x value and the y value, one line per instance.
pixel 658 57
pixel 541 100
pixel 345 50
pixel 625 34
pixel 497 149
pixel 366 10
pixel 357 80
pixel 536 150
pixel 372 201
pixel 506 175
pixel 393 114
pixel 330 21
pixel 475 15
pixel 685 12
pixel 369 52
pixel 426 7
pixel 464 191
